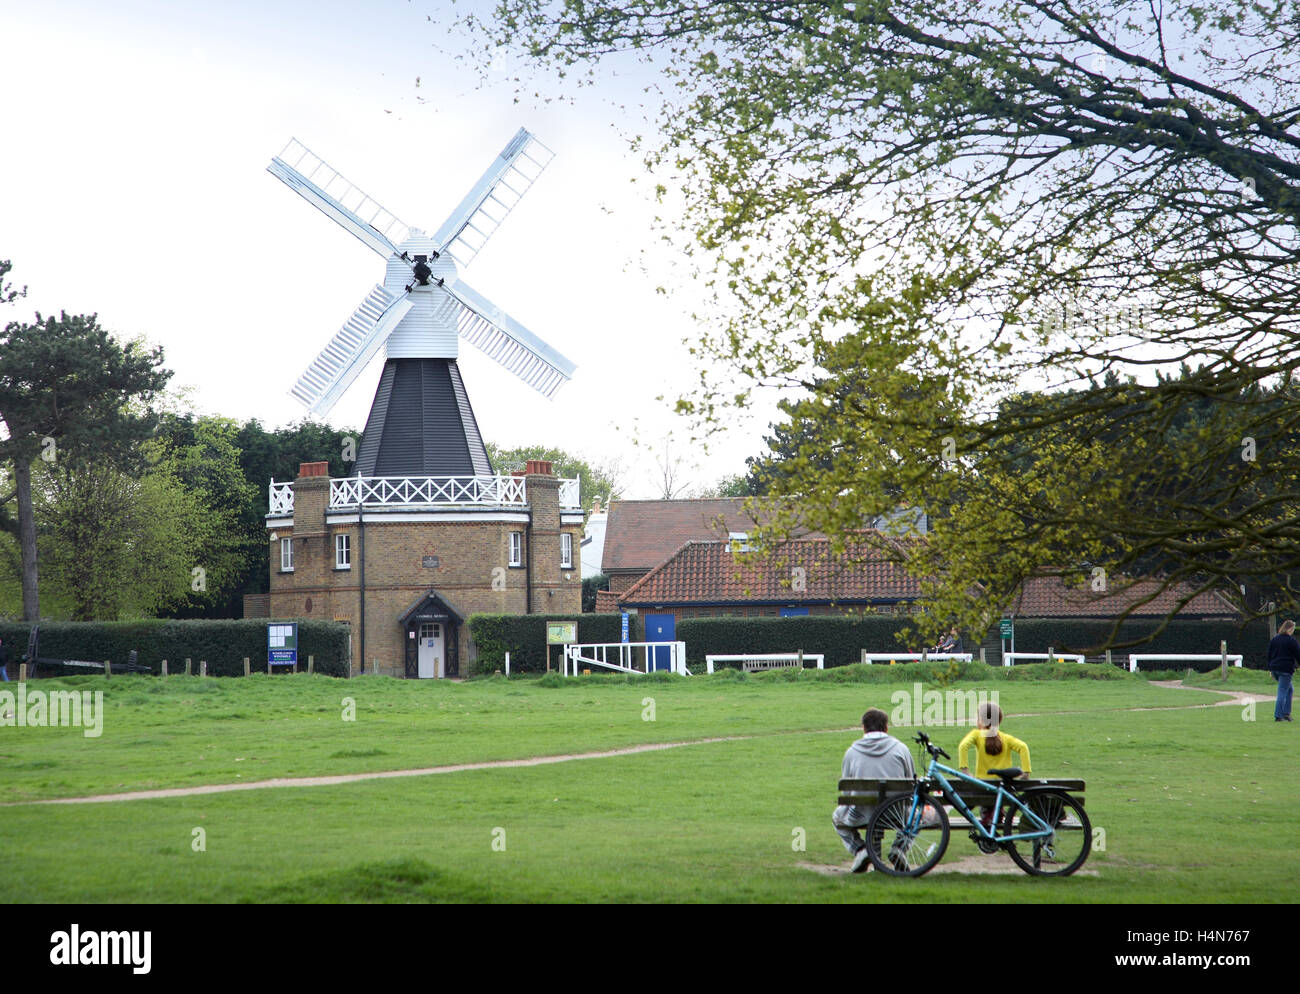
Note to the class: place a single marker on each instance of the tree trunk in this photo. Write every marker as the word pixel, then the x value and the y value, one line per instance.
pixel 27 538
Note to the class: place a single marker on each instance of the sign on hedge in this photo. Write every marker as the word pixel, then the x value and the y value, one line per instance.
pixel 282 644
pixel 561 632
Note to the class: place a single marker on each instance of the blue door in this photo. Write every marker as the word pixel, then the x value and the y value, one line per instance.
pixel 661 628
pixel 793 612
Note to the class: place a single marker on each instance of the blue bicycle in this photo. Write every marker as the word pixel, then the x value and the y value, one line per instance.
pixel 1044 830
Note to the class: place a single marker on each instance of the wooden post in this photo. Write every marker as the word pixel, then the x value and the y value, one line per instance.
pixel 164 667
pixel 311 664
pixel 248 671
pixel 925 655
pixel 188 668
pixel 108 668
pixel 203 667
pixel 1223 659
pixel 1109 662
pixel 801 660
pixel 507 664
pixel 22 672
pixel 983 661
pixel 1050 650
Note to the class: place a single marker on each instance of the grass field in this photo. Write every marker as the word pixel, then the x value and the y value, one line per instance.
pixel 1194 803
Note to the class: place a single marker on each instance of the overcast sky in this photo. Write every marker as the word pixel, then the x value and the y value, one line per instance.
pixel 133 184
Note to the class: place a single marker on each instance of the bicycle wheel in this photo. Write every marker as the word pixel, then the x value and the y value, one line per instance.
pixel 1062 852
pixel 905 841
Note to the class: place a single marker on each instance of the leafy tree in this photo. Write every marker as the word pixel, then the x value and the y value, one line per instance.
pixel 590 586
pixel 115 543
pixel 595 479
pixel 276 454
pixel 959 205
pixel 737 485
pixel 201 454
pixel 69 390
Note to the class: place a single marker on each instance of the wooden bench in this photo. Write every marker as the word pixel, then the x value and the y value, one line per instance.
pixel 754 665
pixel 870 793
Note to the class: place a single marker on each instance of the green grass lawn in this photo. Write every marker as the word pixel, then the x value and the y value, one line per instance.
pixel 1194 803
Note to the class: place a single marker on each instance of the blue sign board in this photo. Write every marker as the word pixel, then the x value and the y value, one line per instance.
pixel 625 638
pixel 282 643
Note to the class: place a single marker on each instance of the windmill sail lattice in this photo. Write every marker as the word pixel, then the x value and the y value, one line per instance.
pixel 322 186
pixel 350 350
pixel 494 196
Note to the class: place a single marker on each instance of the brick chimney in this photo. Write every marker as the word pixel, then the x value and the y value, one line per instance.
pixel 311 497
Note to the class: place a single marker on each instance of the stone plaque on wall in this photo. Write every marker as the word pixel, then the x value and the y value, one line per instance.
pixel 429 562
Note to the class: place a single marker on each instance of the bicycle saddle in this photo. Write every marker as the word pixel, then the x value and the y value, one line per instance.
pixel 1011 773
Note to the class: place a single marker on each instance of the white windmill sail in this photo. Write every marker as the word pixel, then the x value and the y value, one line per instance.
pixel 494 196
pixel 423 307
pixel 350 350
pixel 502 338
pixel 308 175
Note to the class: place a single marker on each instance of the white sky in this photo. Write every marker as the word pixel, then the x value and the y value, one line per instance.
pixel 134 140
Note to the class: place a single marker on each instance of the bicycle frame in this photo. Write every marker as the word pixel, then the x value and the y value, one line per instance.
pixel 935 774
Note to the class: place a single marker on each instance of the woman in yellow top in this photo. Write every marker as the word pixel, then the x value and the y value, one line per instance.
pixel 993 749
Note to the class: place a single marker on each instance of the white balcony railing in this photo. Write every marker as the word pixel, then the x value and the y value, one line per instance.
pixel 409 491
pixel 281 498
pixel 386 491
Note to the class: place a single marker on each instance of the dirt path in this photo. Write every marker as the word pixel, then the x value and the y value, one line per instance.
pixel 1236 698
pixel 222 788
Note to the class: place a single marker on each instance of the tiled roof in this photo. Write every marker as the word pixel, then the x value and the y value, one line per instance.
pixel 710 573
pixel 1052 597
pixel 641 534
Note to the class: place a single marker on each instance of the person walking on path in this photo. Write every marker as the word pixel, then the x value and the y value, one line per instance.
pixel 1283 655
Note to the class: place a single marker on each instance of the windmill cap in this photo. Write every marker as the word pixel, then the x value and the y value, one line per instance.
pixel 417 242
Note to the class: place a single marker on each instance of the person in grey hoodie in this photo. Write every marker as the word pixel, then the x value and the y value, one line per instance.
pixel 876 755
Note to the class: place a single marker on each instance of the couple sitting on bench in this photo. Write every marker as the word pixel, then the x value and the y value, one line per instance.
pixel 878 755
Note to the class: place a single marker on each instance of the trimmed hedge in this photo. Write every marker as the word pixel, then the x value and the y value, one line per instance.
pixel 524 637
pixel 1181 636
pixel 224 644
pixel 840 639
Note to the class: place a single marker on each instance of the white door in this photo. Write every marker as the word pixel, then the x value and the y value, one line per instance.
pixel 431 650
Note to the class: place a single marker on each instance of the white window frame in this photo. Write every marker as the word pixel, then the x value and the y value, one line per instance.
pixel 566 551
pixel 286 555
pixel 516 548
pixel 342 551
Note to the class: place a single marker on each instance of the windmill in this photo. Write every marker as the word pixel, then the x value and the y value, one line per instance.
pixel 421 422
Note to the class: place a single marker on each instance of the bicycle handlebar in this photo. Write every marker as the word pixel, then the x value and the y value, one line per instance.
pixel 930 747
